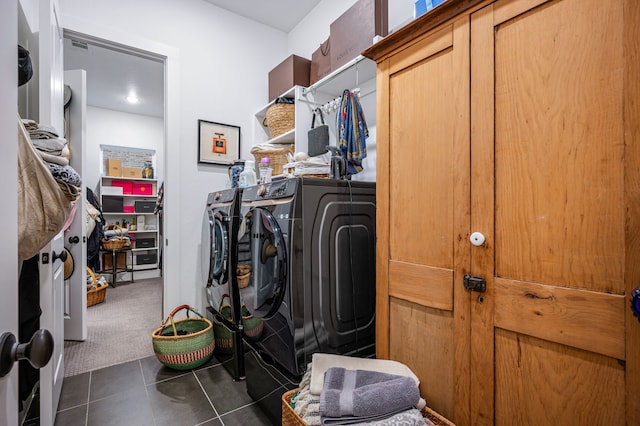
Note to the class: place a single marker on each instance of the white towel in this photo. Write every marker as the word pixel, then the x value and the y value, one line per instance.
pixel 322 362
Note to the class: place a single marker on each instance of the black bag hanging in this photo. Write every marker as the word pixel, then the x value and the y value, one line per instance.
pixel 25 68
pixel 318 136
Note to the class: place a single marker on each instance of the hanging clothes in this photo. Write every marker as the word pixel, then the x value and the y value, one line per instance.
pixel 352 132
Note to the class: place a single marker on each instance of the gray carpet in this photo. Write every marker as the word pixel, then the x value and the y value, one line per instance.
pixel 119 329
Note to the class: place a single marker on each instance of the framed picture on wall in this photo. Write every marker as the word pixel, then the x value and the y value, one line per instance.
pixel 218 143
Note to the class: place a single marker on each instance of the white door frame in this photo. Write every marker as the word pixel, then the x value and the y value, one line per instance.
pixel 171 212
pixel 9 211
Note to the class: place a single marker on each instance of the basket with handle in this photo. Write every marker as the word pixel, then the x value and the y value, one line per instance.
pixel 186 343
pixel 252 326
pixel 116 243
pixel 243 273
pixel 279 118
pixel 291 418
pixel 223 337
pixel 277 153
pixel 96 294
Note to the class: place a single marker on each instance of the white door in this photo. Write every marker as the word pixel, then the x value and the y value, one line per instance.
pixel 50 108
pixel 9 210
pixel 75 289
pixel 52 318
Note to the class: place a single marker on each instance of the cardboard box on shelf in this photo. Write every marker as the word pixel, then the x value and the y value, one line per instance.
pixel 126 185
pixel 320 62
pixel 113 167
pixel 293 71
pixel 132 172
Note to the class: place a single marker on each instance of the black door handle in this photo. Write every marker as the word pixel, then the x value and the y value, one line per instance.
pixel 62 256
pixel 38 351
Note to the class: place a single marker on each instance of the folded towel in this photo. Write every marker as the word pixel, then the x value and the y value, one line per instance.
pixel 54 159
pixel 44 131
pixel 356 396
pixel 52 146
pixel 322 362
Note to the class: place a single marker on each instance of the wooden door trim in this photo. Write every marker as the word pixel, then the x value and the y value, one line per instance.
pixel 424 285
pixel 505 10
pixel 382 212
pixel 482 219
pixel 435 43
pixel 631 34
pixel 583 319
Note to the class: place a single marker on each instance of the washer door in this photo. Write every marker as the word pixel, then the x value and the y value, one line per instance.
pixel 265 291
pixel 215 248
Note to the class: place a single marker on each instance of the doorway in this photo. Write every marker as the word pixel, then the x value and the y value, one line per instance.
pixel 118 328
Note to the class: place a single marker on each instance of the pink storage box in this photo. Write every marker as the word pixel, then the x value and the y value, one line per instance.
pixel 128 209
pixel 142 189
pixel 126 185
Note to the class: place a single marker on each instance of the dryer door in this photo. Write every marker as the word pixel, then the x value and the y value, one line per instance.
pixel 219 248
pixel 266 288
pixel 215 248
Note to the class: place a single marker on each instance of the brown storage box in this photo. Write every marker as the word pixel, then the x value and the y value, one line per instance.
pixel 113 167
pixel 320 62
pixel 132 172
pixel 355 29
pixel 293 71
pixel 107 261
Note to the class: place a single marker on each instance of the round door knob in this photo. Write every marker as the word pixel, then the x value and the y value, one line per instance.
pixel 635 302
pixel 38 351
pixel 477 239
pixel 62 255
pixel 74 240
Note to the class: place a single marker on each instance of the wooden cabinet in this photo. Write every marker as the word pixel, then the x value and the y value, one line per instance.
pixel 517 119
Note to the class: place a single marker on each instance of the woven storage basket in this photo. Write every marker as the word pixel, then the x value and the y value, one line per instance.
pixel 222 335
pixel 291 418
pixel 98 293
pixel 243 273
pixel 116 243
pixel 277 153
pixel 251 325
pixel 280 118
pixel 187 344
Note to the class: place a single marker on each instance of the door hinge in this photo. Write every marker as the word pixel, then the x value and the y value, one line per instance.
pixel 474 283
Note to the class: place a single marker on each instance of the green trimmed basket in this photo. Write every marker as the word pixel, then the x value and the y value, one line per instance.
pixel 223 337
pixel 187 344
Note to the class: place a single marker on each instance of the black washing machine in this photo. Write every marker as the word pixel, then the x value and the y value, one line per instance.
pixel 220 224
pixel 309 244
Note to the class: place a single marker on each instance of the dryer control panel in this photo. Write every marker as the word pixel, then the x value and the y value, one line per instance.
pixel 277 189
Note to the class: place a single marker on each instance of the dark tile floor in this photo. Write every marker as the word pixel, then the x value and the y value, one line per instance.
pixel 143 392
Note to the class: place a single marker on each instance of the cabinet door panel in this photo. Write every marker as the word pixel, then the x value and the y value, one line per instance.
pixel 553 319
pixel 427 216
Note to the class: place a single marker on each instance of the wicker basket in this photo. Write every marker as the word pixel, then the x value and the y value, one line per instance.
pixel 243 273
pixel 276 153
pixel 116 243
pixel 98 293
pixel 280 118
pixel 291 418
pixel 188 344
pixel 222 335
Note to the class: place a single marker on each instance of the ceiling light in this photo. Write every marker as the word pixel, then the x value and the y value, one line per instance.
pixel 132 99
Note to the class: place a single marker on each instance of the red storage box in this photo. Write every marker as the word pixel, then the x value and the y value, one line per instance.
pixel 142 189
pixel 127 185
pixel 128 209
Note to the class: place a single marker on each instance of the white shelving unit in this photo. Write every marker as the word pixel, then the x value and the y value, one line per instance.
pixel 359 75
pixel 140 255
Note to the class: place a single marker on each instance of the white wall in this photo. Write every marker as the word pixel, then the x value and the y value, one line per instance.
pixel 314 28
pixel 222 74
pixel 108 127
pixel 224 61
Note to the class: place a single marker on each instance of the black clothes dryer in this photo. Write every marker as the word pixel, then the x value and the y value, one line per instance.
pixel 219 258
pixel 310 246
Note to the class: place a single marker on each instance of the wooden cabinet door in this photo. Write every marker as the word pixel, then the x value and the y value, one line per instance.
pixel 423 212
pixel 555 183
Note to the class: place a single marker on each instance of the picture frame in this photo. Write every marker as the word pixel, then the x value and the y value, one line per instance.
pixel 218 143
